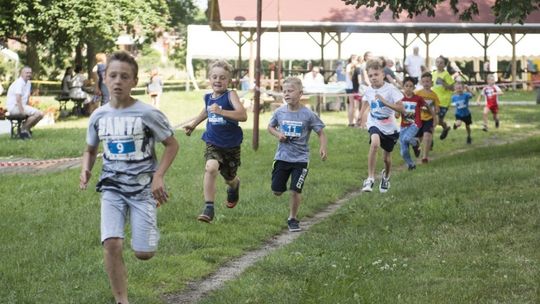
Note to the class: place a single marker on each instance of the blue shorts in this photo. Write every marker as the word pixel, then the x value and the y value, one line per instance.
pixel 141 209
pixel 280 175
pixel 387 141
pixel 442 112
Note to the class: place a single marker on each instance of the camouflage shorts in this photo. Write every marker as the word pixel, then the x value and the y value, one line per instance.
pixel 228 158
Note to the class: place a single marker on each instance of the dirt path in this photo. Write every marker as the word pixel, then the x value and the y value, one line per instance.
pixel 197 290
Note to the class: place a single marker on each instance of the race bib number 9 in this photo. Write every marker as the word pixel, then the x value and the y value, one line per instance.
pixel 121 147
pixel 292 128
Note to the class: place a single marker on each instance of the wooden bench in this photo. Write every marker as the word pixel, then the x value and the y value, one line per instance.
pixel 16 121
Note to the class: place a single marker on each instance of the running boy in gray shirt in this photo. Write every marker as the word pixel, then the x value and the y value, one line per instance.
pixel 131 180
pixel 291 124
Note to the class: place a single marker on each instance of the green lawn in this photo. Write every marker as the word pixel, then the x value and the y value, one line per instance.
pixel 458 237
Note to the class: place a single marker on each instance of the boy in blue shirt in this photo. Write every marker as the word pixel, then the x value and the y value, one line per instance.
pixel 460 100
pixel 291 124
pixel 223 137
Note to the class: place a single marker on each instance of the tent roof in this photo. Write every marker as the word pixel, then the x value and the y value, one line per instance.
pixel 336 16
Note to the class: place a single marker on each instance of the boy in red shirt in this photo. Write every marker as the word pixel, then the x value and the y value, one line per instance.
pixel 411 122
pixel 491 92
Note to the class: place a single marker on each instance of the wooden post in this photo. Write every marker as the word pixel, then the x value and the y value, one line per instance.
pixel 257 98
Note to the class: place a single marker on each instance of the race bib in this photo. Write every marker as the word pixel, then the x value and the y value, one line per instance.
pixel 291 128
pixel 121 146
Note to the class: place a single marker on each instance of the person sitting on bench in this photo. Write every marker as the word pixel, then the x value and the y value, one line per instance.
pixel 17 102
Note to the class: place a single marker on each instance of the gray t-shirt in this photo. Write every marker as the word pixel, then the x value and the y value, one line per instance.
pixel 128 136
pixel 297 127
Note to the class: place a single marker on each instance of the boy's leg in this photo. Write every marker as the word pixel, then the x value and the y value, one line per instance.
pixel 113 215
pixel 372 155
pixel 211 170
pixel 296 199
pixel 144 229
pixel 387 157
pixel 485 118
pixel 442 123
pixel 116 270
pixel 406 137
pixel 428 138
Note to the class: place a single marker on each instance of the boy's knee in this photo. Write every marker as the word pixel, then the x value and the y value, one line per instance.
pixel 141 255
pixel 212 167
pixel 113 246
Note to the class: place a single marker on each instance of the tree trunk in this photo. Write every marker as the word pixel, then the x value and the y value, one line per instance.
pixel 32 56
pixel 90 58
pixel 78 54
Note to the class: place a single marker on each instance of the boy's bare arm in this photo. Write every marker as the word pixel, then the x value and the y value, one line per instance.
pixel 202 116
pixel 158 185
pixel 323 144
pixel 275 132
pixel 88 161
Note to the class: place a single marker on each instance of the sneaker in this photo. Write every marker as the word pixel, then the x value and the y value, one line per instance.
pixel 455 126
pixel 410 168
pixel 294 225
pixel 425 160
pixel 416 149
pixel 484 128
pixel 444 133
pixel 497 123
pixel 207 215
pixel 368 185
pixel 469 140
pixel 25 135
pixel 233 196
pixel 385 182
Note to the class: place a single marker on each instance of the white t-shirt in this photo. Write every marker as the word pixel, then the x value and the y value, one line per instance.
pixel 18 87
pixel 381 116
pixel 414 65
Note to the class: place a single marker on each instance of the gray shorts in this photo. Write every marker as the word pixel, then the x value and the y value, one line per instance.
pixel 141 208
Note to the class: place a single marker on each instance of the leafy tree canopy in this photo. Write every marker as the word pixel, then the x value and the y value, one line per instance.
pixel 505 11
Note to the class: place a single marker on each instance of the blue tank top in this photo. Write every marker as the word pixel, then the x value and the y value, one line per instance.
pixel 220 131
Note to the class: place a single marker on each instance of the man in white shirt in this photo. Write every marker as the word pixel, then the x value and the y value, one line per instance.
pixel 17 101
pixel 313 79
pixel 415 65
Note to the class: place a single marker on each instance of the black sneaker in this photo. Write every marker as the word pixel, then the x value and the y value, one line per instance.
pixel 416 149
pixel 444 133
pixel 497 123
pixel 469 140
pixel 484 128
pixel 25 135
pixel 385 182
pixel 410 168
pixel 233 196
pixel 294 225
pixel 207 215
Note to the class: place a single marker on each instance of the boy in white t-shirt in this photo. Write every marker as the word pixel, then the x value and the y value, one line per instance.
pixel 383 101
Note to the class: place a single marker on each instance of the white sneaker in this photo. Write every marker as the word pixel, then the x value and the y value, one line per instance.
pixel 385 182
pixel 368 185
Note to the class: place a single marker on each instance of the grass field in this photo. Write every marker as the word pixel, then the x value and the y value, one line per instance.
pixel 463 229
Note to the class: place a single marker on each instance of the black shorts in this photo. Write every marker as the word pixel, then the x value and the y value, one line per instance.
pixel 427 127
pixel 280 175
pixel 387 141
pixel 228 158
pixel 466 119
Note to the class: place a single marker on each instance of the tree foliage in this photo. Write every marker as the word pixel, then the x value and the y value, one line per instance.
pixel 505 11
pixel 53 30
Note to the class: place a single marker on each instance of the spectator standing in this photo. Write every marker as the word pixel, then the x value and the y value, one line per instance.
pixel 415 65
pixel 17 102
pixel 99 77
pixel 155 87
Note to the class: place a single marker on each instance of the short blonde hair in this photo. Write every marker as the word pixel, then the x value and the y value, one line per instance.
pixel 221 64
pixel 374 64
pixel 101 57
pixel 294 81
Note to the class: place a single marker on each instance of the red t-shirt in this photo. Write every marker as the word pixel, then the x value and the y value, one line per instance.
pixel 413 108
pixel 490 92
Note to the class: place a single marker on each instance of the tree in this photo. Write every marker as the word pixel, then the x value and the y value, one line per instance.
pixel 505 11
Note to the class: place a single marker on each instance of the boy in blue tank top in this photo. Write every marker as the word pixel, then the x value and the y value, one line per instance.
pixel 132 180
pixel 223 137
pixel 292 124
